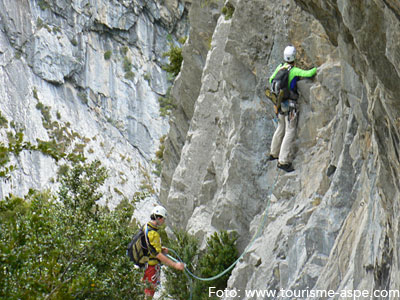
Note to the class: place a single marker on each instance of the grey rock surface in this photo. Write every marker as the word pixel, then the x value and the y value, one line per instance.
pixel 186 88
pixel 96 66
pixel 332 223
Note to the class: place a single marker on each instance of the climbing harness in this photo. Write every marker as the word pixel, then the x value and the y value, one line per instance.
pixel 257 234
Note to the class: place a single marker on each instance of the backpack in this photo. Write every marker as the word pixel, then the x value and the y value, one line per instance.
pixel 281 82
pixel 139 247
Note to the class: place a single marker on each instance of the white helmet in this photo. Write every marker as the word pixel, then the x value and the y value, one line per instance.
pixel 289 54
pixel 159 211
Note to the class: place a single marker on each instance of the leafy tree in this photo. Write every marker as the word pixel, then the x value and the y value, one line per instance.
pixel 64 246
pixel 79 187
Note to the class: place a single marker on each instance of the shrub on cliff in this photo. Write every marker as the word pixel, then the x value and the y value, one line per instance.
pixel 65 246
pixel 175 58
pixel 219 254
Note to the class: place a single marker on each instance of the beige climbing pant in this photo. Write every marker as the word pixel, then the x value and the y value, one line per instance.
pixel 283 139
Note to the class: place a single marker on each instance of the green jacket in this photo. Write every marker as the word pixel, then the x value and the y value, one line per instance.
pixel 294 75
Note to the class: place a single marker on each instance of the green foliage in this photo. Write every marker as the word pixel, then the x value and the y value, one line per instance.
pixel 67 247
pixel 79 187
pixel 166 103
pixel 124 50
pixel 147 77
pixel 175 58
pixel 41 24
pixel 56 29
pixel 107 55
pixel 160 151
pixel 43 5
pixel 57 147
pixel 159 157
pixel 3 121
pixel 45 110
pixel 61 137
pixel 16 142
pixel 50 148
pixel 35 95
pixel 205 3
pixel 127 64
pixel 15 145
pixel 182 40
pixel 177 285
pixel 129 75
pixel 146 186
pixel 228 11
pixel 218 256
pixel 74 42
pixel 18 54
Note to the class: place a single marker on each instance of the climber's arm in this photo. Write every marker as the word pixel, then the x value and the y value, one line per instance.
pixel 303 73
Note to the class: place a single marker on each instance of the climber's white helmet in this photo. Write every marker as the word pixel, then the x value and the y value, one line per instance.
pixel 159 211
pixel 289 54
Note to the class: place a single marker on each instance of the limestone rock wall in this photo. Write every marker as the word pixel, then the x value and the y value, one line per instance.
pixel 332 223
pixel 96 67
pixel 203 19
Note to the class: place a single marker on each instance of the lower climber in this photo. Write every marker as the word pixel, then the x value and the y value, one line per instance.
pixel 286 107
pixel 151 276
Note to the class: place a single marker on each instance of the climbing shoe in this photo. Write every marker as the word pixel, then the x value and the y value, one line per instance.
pixel 271 157
pixel 286 167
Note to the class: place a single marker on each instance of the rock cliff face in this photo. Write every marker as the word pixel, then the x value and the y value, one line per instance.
pixel 85 74
pixel 332 224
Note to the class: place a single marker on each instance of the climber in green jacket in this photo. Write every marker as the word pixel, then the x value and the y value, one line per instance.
pixel 287 111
